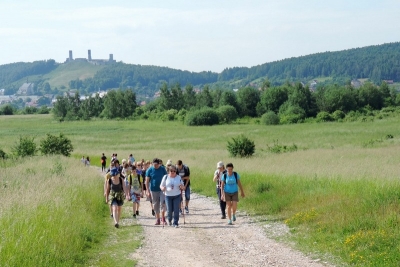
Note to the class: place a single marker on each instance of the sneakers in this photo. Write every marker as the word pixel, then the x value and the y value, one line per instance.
pixel 180 211
pixel 176 226
pixel 152 212
pixel 137 212
pixel 116 225
pixel 169 223
pixel 233 217
pixel 187 209
pixel 230 222
pixel 163 219
pixel 157 222
pixel 134 215
pixel 111 215
pixel 223 217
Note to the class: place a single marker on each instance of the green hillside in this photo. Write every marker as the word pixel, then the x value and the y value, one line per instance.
pixel 64 73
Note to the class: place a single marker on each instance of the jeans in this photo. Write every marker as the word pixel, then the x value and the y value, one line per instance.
pixel 222 204
pixel 173 203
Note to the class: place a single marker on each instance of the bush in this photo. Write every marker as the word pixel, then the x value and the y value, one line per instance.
pixel 241 146
pixel 205 116
pixel 43 110
pixel 324 116
pixel 169 115
pixel 25 147
pixel 3 154
pixel 56 145
pixel 227 114
pixel 270 118
pixel 8 110
pixel 338 115
pixel 291 114
pixel 278 148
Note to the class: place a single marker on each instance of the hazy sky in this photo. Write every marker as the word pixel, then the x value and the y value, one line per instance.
pixel 192 35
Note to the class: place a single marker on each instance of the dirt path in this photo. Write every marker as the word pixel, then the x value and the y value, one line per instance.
pixel 207 240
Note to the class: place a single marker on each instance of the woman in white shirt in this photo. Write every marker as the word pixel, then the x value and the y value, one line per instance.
pixel 172 186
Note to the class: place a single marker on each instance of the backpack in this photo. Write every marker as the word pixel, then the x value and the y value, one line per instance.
pixel 225 175
pixel 120 182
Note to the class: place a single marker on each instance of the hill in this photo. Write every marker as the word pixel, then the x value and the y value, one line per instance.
pixel 376 63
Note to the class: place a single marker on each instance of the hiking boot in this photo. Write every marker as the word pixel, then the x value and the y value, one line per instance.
pixel 157 222
pixel 134 215
pixel 187 209
pixel 229 222
pixel 223 217
pixel 234 217
pixel 116 225
pixel 137 212
pixel 152 212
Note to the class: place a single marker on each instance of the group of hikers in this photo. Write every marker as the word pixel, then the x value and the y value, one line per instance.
pixel 165 187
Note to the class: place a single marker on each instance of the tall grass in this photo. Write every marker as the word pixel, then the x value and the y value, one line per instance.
pixel 51 212
pixel 337 195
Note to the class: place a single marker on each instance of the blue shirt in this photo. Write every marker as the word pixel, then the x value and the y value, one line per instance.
pixel 156 176
pixel 230 183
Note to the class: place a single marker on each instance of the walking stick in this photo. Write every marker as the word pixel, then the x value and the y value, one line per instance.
pixel 182 208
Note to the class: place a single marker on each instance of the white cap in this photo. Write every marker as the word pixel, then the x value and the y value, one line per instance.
pixel 220 164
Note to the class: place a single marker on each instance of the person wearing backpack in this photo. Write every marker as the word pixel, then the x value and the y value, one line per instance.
pixel 154 176
pixel 229 185
pixel 217 178
pixel 115 193
pixel 172 185
pixel 103 162
pixel 133 184
pixel 184 172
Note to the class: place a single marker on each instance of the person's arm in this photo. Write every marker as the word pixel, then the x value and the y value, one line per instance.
pixel 147 186
pixel 163 183
pixel 222 190
pixel 125 188
pixel 216 176
pixel 241 188
pixel 107 190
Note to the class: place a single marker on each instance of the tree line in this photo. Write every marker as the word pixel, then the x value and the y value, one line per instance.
pixel 290 103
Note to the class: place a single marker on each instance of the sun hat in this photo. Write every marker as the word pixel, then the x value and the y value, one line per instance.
pixel 169 162
pixel 220 164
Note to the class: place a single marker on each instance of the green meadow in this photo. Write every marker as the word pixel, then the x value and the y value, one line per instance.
pixel 339 193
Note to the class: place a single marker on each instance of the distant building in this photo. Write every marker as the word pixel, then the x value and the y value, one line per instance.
pixel 110 60
pixel 313 85
pixel 356 83
pixel 389 81
pixel 2 91
pixel 26 89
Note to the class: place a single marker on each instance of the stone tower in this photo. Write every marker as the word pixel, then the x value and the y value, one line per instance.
pixel 70 55
pixel 89 55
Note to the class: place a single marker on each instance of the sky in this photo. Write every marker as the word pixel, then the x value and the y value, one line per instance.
pixel 202 35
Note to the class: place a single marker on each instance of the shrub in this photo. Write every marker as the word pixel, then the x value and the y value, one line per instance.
pixel 278 148
pixel 43 110
pixel 3 154
pixel 205 116
pixel 25 147
pixel 8 110
pixel 324 116
pixel 270 118
pixel 169 115
pixel 56 145
pixel 338 115
pixel 241 146
pixel 291 114
pixel 227 114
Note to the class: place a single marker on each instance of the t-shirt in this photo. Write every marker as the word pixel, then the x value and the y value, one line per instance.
pixel 220 176
pixel 230 183
pixel 172 185
pixel 156 176
pixel 135 186
pixel 103 160
pixel 183 173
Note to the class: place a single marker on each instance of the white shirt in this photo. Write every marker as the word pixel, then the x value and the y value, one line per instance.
pixel 172 185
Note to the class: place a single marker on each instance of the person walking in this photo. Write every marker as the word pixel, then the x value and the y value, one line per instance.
pixel 154 175
pixel 87 162
pixel 132 181
pixel 184 173
pixel 217 178
pixel 229 185
pixel 172 185
pixel 115 192
pixel 103 161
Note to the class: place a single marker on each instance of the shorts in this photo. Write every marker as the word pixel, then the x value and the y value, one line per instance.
pixel 158 198
pixel 232 197
pixel 117 203
pixel 135 198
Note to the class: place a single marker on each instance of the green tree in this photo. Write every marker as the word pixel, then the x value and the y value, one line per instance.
pixel 53 145
pixel 248 98
pixel 370 95
pixel 189 97
pixel 8 110
pixel 204 99
pixel 25 147
pixel 272 99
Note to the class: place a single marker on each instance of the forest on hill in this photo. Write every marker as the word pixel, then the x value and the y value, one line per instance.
pixel 376 63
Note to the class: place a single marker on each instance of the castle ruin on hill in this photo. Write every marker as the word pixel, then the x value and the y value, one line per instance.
pixel 108 61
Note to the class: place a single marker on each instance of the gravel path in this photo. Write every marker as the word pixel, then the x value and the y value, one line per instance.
pixel 207 240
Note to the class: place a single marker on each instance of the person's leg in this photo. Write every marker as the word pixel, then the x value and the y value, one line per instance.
pixel 229 208
pixel 119 208
pixel 234 206
pixel 168 202
pixel 155 196
pixel 176 204
pixel 222 204
pixel 162 205
pixel 114 211
pixel 187 198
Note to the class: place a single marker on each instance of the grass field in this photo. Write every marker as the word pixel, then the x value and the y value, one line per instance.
pixel 339 192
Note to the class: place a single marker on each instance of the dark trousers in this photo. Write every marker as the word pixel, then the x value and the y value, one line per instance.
pixel 103 167
pixel 222 204
pixel 173 203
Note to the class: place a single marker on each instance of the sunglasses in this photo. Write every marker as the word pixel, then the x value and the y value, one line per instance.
pixel 172 171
